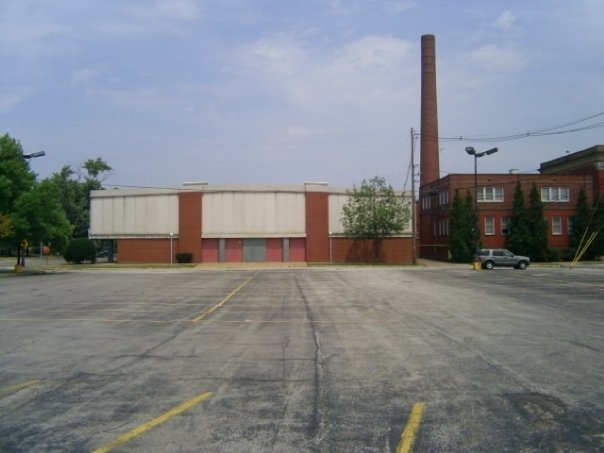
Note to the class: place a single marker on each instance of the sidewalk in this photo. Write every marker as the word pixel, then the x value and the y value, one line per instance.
pixel 37 265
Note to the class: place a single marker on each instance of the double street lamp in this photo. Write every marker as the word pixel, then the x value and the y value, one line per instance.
pixel 36 154
pixel 472 152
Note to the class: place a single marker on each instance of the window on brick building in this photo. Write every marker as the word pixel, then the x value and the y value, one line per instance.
pixel 489 226
pixel 555 194
pixel 556 225
pixel 489 194
pixel 443 197
pixel 443 227
pixel 505 226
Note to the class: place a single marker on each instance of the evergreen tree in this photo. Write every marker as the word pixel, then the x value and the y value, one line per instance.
pixel 537 226
pixel 597 246
pixel 581 223
pixel 461 230
pixel 519 237
pixel 472 221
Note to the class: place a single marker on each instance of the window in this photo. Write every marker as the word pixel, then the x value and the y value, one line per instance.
pixel 489 226
pixel 555 194
pixel 505 226
pixel 425 203
pixel 489 194
pixel 443 197
pixel 443 227
pixel 556 225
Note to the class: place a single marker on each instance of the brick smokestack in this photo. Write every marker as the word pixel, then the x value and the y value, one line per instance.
pixel 429 164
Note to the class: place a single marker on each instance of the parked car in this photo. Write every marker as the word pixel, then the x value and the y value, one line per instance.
pixel 489 258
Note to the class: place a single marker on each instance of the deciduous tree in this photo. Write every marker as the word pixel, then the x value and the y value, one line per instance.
pixel 374 212
pixel 74 188
pixel 39 217
pixel 15 176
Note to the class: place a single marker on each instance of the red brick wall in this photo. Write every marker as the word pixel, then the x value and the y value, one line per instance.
pixel 317 227
pixel 209 251
pixel 430 244
pixel 189 224
pixel 393 251
pixel 274 250
pixel 145 250
pixel 233 250
pixel 429 160
pixel 297 250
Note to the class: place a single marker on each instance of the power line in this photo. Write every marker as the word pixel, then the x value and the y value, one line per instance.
pixel 553 130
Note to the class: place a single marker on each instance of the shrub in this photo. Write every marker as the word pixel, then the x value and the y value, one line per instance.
pixel 567 253
pixel 553 254
pixel 184 257
pixel 80 249
pixel 561 254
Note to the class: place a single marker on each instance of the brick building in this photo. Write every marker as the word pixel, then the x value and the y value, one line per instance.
pixel 559 183
pixel 234 224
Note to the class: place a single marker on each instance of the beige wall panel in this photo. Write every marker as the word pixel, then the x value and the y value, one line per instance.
pixel 146 215
pixel 336 204
pixel 253 214
pixel 336 213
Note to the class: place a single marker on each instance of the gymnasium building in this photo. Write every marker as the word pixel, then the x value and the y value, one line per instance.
pixel 223 224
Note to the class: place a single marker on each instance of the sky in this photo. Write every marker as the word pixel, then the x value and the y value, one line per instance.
pixel 287 91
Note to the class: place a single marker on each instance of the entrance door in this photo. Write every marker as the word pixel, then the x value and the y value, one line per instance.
pixel 254 250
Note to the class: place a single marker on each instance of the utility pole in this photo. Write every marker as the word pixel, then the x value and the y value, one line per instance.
pixel 413 204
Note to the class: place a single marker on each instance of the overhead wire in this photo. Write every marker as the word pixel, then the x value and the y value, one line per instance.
pixel 553 130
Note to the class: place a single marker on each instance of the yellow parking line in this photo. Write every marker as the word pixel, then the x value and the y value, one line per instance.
pixel 410 432
pixel 223 301
pixel 17 387
pixel 153 423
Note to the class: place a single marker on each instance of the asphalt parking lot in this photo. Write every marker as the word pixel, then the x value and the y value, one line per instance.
pixel 319 359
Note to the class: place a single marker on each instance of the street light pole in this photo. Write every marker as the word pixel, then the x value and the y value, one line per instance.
pixel 472 152
pixel 413 204
pixel 22 248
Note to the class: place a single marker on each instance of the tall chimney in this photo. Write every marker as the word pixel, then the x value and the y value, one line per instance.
pixel 429 165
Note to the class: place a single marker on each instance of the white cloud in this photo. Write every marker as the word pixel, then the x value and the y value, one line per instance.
pixel 300 133
pixel 84 75
pixel 370 69
pixel 178 9
pixel 372 53
pixel 278 55
pixel 139 99
pixel 32 37
pixel 505 20
pixel 146 18
pixel 496 58
pixel 13 97
pixel 397 7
